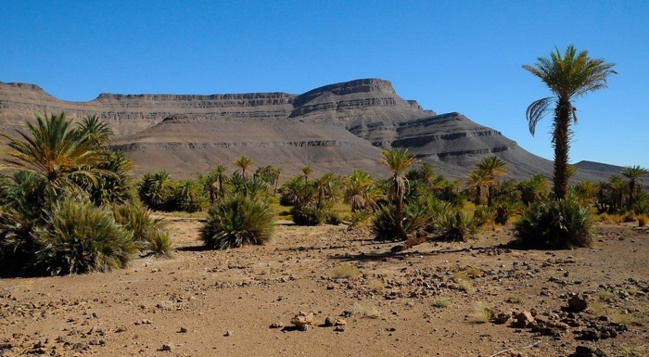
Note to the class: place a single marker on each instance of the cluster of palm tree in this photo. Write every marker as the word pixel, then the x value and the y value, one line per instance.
pixel 241 210
pixel 67 205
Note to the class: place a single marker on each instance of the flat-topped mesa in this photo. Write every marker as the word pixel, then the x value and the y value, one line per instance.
pixel 354 102
pixel 202 101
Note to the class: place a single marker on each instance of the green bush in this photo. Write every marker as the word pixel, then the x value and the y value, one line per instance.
pixel 79 237
pixel 505 210
pixel 482 215
pixel 556 224
pixel 308 215
pixel 238 221
pixel 359 218
pixel 456 226
pixel 415 217
pixel 147 231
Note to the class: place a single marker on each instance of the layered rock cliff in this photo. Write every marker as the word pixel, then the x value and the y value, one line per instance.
pixel 337 127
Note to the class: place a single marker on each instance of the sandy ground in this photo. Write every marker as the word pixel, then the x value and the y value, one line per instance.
pixel 222 303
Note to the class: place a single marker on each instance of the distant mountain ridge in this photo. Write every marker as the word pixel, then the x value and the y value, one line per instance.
pixel 337 127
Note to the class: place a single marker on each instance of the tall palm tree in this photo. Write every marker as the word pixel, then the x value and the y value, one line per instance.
pixel 568 75
pixel 492 166
pixel 53 149
pixel 94 130
pixel 634 175
pixel 306 170
pixel 277 172
pixel 361 192
pixel 243 162
pixel 398 161
pixel 616 186
pixel 477 180
pixel 327 188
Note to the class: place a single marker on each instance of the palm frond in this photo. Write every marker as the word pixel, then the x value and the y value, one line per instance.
pixel 536 111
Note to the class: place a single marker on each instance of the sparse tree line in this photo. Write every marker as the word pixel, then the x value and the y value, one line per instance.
pixel 70 205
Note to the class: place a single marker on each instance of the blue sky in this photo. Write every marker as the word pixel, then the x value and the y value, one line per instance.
pixel 463 56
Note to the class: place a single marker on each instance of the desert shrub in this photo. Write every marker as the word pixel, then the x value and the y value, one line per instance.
pixel 79 237
pixel 483 215
pixel 503 210
pixel 157 190
pixel 238 221
pixel 149 232
pixel 334 218
pixel 308 215
pixel 415 217
pixel 642 220
pixel 17 245
pixel 456 226
pixel 482 313
pixel 556 224
pixel 359 218
pixel 641 204
pixel 346 271
pixel 441 302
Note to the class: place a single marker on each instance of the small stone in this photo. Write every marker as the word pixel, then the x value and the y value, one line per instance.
pixel 166 347
pixel 227 333
pixel 502 318
pixel 340 328
pixel 302 320
pixel 277 324
pixel 340 322
pixel 577 303
pixel 182 330
pixel 329 321
pixel 523 319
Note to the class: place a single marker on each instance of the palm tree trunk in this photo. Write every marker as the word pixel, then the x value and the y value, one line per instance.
pixel 489 195
pixel 398 208
pixel 561 142
pixel 631 193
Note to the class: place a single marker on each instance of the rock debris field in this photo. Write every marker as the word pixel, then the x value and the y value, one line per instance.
pixel 332 291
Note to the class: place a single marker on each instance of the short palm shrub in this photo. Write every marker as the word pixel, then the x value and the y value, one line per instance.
pixel 504 210
pixel 454 225
pixel 556 224
pixel 359 218
pixel 79 237
pixel 308 215
pixel 238 221
pixel 415 217
pixel 149 232
pixel 483 215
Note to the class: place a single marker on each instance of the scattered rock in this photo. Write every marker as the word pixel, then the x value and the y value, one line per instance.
pixel 577 303
pixel 502 318
pixel 167 347
pixel 182 330
pixel 340 322
pixel 583 351
pixel 339 328
pixel 277 324
pixel 227 333
pixel 329 321
pixel 302 320
pixel 523 319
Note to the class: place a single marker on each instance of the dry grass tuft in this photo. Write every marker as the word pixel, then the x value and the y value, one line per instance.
pixel 482 313
pixel 366 310
pixel 441 302
pixel 346 271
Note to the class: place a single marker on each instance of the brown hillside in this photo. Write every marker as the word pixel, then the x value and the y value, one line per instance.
pixel 338 127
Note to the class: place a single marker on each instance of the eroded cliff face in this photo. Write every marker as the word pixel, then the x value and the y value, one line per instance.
pixel 337 127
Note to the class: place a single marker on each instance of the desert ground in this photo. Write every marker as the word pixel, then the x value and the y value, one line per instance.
pixel 435 299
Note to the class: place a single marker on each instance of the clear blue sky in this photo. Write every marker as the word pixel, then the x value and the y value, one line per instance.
pixel 463 56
